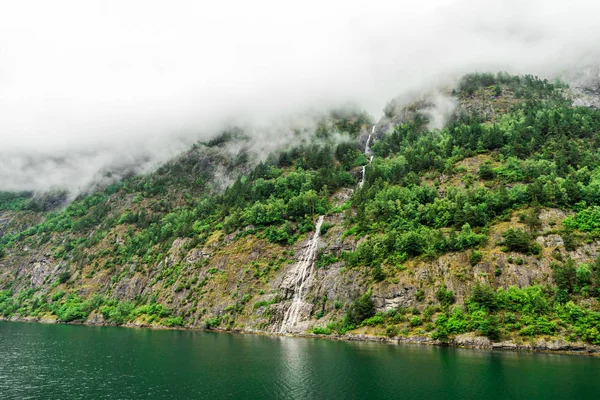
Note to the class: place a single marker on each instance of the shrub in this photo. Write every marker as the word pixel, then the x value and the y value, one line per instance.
pixel 360 309
pixel 173 321
pixel 569 239
pixel 565 278
pixel 281 235
pixel 441 332
pixel 475 257
pixel 486 172
pixel 72 309
pixel 520 241
pixel 325 259
pixel 318 330
pixel 490 327
pixel 583 274
pixel 212 322
pixel 587 220
pixel 484 296
pixel 64 276
pixel 325 227
pixel 445 296
pixel 57 295
pixel 428 312
pixel 373 321
pixel 467 238
pixel 378 274
pixel 117 312
pixel 527 331
pixel 68 313
pixel 420 295
pixel 415 320
pixel 391 331
pixel 263 303
pixel 519 261
pixel 545 327
pixel 516 240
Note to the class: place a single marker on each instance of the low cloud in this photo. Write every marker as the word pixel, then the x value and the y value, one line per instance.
pixel 86 86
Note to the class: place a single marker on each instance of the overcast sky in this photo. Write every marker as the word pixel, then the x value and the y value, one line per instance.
pixel 98 82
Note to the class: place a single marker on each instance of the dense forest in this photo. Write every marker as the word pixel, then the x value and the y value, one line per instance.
pixel 514 151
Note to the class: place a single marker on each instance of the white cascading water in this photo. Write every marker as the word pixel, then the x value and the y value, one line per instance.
pixel 303 272
pixel 367 152
pixel 362 180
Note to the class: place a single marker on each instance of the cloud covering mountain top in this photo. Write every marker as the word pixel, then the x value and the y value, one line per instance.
pixel 86 85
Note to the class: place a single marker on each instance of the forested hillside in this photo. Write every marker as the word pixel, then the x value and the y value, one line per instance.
pixel 488 227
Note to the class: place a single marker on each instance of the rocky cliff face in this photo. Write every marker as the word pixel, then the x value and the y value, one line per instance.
pixel 249 284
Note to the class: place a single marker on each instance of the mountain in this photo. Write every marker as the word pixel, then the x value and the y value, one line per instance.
pixel 468 216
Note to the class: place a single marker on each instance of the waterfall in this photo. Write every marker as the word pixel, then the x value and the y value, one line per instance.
pixel 367 148
pixel 303 271
pixel 362 179
pixel 367 153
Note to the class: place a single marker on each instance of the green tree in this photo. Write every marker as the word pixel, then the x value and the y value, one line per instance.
pixel 360 309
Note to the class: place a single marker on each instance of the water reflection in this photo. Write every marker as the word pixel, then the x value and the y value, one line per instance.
pixel 293 369
pixel 75 362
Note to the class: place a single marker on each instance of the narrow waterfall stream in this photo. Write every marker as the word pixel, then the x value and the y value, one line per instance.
pixel 362 179
pixel 303 271
pixel 368 154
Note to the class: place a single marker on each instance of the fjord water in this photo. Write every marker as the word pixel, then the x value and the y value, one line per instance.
pixel 40 361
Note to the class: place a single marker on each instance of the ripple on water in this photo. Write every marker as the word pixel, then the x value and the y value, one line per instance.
pixel 55 361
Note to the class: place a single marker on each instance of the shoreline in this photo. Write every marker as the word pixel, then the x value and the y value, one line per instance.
pixel 463 341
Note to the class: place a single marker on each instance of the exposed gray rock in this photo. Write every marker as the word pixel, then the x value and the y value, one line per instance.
pixel 393 297
pixel 41 270
pixel 470 340
pixel 549 241
pixel 129 288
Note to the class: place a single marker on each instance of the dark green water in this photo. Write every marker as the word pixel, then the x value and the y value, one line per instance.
pixel 77 362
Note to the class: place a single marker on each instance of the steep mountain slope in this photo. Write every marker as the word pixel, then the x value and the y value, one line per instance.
pixel 487 227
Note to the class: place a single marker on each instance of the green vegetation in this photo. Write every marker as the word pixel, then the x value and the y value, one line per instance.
pixel 325 259
pixel 10 201
pixel 520 241
pixel 70 307
pixel 586 220
pixel 495 313
pixel 360 309
pixel 475 187
pixel 475 257
pixel 445 296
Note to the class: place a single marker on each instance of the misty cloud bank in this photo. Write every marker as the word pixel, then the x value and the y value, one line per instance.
pixel 87 87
